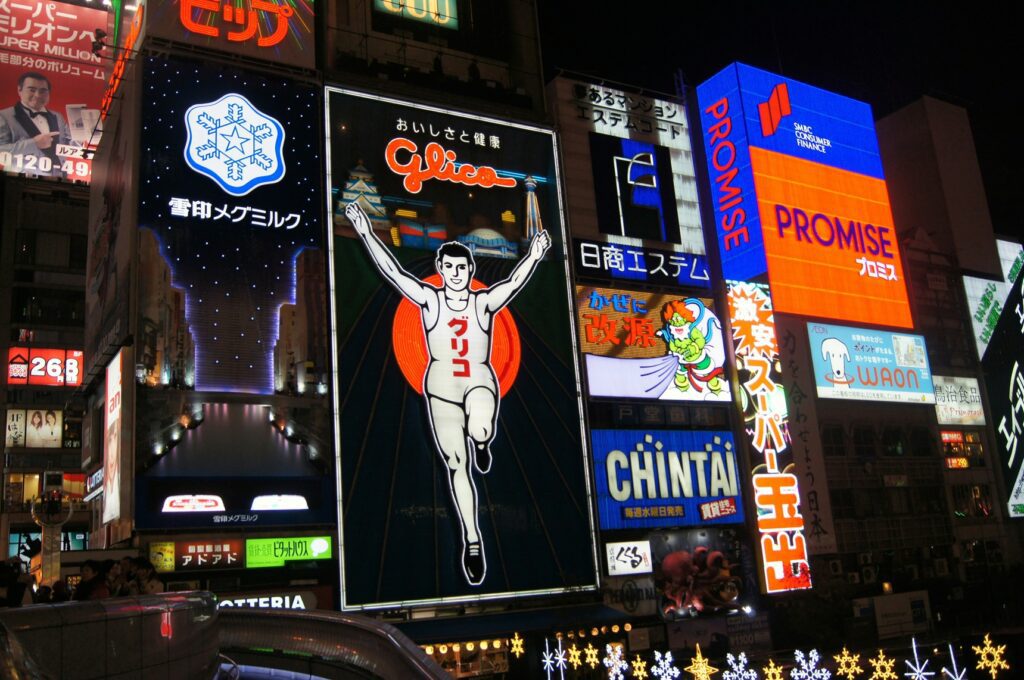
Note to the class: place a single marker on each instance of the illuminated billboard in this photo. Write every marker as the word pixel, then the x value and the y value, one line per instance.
pixel 985 297
pixel 53 83
pixel 275 552
pixel 35 428
pixel 280 31
pixel 458 401
pixel 641 345
pixel 630 180
pixel 870 365
pixel 799 195
pixel 112 431
pixel 665 478
pixel 777 497
pixel 231 298
pixel 443 13
pixel 958 401
pixel 44 367
pixel 1003 364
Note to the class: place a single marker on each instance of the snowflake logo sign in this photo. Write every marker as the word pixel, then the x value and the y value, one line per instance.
pixel 234 144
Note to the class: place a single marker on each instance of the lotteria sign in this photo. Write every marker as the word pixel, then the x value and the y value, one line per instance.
pixel 799 194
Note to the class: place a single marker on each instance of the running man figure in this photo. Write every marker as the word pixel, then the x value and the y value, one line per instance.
pixel 459 385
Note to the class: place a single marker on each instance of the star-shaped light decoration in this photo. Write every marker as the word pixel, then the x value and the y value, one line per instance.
pixel 990 657
pixel 699 667
pixel 883 667
pixel 918 668
pixel 574 656
pixel 591 656
pixel 771 671
pixel 517 645
pixel 956 673
pixel 663 669
pixel 639 668
pixel 848 667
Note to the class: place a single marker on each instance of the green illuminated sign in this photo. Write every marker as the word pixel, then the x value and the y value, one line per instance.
pixel 443 13
pixel 274 552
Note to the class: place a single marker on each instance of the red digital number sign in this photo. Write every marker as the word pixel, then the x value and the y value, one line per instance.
pixel 44 367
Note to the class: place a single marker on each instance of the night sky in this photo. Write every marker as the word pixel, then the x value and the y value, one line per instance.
pixel 885 54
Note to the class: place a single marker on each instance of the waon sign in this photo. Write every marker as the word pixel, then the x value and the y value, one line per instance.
pixel 44 367
pixel 275 30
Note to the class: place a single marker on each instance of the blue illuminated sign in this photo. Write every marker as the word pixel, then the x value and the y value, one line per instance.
pixel 737 223
pixel 658 478
pixel 870 365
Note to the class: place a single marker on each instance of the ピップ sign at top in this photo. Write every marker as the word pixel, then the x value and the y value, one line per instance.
pixel 799 194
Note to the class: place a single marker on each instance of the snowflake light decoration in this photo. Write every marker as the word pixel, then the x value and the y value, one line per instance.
pixel 614 662
pixel 663 668
pixel 848 667
pixel 807 667
pixel 918 668
pixel 574 656
pixel 591 656
pixel 956 673
pixel 517 645
pixel 235 144
pixel 738 668
pixel 699 667
pixel 883 667
pixel 990 657
pixel 639 668
pixel 553 661
pixel 771 671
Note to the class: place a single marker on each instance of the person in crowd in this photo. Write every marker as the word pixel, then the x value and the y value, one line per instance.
pixel 42 595
pixel 59 592
pixel 116 583
pixel 14 591
pixel 146 581
pixel 94 582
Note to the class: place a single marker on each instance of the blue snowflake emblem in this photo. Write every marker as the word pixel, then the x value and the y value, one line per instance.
pixel 234 144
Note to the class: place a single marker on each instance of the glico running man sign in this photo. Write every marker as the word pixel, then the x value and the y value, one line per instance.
pixel 461 453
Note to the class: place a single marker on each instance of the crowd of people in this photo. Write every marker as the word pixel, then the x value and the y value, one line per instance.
pixel 99 580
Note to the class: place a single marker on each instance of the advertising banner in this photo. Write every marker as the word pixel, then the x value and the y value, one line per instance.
pixel 35 428
pixel 640 345
pixel 275 552
pixel 870 365
pixel 602 260
pixel 628 557
pixel 208 554
pixel 281 31
pixel 231 299
pixel 629 156
pixel 44 367
pixel 112 441
pixel 1004 380
pixel 799 194
pixel 780 522
pixel 459 407
pixel 53 84
pixel 958 401
pixel 666 478
pixel 805 437
pixel 985 298
pixel 702 571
